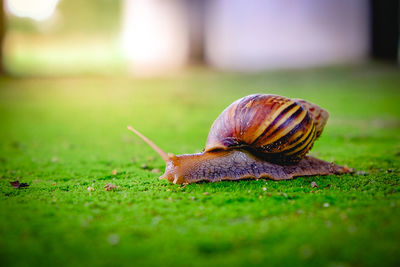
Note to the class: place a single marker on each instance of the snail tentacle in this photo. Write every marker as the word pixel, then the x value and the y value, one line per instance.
pixel 160 152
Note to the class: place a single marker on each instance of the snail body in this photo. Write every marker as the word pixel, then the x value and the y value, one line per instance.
pixel 257 136
pixel 237 164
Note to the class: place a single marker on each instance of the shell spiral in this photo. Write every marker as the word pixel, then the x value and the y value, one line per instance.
pixel 276 128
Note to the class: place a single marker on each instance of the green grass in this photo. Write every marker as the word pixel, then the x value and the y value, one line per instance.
pixel 63 135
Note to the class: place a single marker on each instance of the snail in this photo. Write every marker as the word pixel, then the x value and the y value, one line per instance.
pixel 257 136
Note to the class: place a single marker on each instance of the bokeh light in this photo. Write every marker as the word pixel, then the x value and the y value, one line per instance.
pixel 37 9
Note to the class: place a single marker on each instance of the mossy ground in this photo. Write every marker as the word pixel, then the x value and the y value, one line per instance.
pixel 63 135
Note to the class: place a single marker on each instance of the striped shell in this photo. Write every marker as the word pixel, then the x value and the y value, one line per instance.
pixel 276 128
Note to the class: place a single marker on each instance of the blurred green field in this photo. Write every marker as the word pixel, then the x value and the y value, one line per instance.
pixel 63 135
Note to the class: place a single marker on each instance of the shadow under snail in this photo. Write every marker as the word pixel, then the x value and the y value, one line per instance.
pixel 257 136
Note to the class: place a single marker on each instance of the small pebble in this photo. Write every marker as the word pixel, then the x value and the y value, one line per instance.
pixel 264 189
pixel 299 211
pixel 155 170
pixel 326 205
pixel 110 187
pixel 144 166
pixel 183 186
pixel 113 239
pixel 352 229
pixel 150 158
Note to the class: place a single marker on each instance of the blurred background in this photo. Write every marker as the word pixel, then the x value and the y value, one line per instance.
pixel 153 37
pixel 77 72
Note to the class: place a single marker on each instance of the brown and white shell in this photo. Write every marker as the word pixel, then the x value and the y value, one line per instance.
pixel 273 127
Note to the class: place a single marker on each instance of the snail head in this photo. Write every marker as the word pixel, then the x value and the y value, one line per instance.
pixel 172 162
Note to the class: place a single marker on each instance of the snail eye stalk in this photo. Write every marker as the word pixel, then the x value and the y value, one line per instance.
pixel 161 152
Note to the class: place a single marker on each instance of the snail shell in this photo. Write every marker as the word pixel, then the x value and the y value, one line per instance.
pixel 276 128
